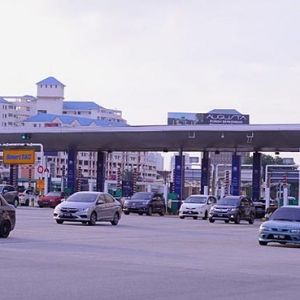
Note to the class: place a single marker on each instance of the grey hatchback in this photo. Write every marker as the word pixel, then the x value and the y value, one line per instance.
pixel 233 208
pixel 145 202
pixel 88 207
pixel 7 218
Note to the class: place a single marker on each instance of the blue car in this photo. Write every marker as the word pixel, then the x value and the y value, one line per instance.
pixel 282 227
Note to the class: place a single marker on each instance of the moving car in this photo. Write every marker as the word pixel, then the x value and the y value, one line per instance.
pixel 7 217
pixel 10 194
pixel 26 196
pixel 282 227
pixel 88 207
pixel 196 206
pixel 145 202
pixel 233 208
pixel 51 199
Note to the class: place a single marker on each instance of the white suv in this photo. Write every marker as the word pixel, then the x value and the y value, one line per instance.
pixel 196 206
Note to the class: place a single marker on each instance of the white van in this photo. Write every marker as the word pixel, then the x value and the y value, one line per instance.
pixel 197 206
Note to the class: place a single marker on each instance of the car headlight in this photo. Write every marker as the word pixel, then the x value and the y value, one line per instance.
pixel 83 209
pixel 264 228
pixel 232 209
pixel 295 230
pixel 126 202
pixel 212 208
pixel 145 202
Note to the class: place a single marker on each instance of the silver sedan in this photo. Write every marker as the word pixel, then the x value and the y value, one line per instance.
pixel 88 208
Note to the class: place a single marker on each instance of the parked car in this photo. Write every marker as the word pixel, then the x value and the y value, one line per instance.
pixel 196 206
pixel 51 199
pixel 25 196
pixel 233 208
pixel 10 194
pixel 282 227
pixel 88 207
pixel 145 202
pixel 7 217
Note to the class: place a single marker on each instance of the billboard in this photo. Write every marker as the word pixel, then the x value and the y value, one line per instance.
pixel 18 156
pixel 180 118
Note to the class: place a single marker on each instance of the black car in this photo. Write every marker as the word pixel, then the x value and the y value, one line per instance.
pixel 145 202
pixel 233 208
pixel 7 218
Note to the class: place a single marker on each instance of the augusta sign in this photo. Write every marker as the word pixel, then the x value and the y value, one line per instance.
pixel 206 119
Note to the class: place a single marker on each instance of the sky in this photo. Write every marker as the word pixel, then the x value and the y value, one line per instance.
pixel 150 57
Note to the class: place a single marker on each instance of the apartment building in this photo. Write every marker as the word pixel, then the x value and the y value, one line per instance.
pixel 50 109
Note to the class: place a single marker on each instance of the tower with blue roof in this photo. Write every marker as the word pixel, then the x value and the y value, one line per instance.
pixel 50 96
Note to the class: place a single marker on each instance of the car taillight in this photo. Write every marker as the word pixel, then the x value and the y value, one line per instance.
pixel 22 195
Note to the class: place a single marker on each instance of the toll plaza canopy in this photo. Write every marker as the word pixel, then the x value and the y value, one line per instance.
pixel 249 138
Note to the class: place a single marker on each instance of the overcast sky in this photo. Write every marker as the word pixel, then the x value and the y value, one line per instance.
pixel 151 57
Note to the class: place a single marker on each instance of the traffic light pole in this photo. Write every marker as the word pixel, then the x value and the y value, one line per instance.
pixel 42 158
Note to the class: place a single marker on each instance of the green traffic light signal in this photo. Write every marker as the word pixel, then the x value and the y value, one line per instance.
pixel 26 136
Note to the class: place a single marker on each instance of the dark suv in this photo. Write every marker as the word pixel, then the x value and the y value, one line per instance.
pixel 145 202
pixel 10 194
pixel 233 208
pixel 7 218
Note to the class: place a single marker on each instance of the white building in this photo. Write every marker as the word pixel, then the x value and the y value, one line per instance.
pixel 49 109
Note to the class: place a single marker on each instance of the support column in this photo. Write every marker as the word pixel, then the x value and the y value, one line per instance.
pixel 205 174
pixel 179 176
pixel 256 176
pixel 100 171
pixel 236 175
pixel 72 167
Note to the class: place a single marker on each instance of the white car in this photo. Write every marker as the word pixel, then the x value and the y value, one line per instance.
pixel 197 206
pixel 26 197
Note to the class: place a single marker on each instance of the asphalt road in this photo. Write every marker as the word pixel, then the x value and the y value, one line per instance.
pixel 144 257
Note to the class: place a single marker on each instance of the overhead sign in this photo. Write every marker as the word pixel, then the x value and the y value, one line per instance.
pixel 18 156
pixel 179 118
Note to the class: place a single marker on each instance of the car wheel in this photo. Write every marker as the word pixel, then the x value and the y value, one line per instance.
pixel 140 214
pixel 27 202
pixel 59 221
pixel 237 219
pixel 126 212
pixel 84 222
pixel 41 206
pixel 115 220
pixel 195 218
pixel 16 202
pixel 205 215
pixel 211 220
pixel 181 217
pixel 162 213
pixel 226 221
pixel 252 218
pixel 5 229
pixel 93 219
pixel 263 243
pixel 149 212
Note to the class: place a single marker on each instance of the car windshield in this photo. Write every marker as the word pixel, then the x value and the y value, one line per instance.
pixel 200 200
pixel 286 214
pixel 141 196
pixel 54 194
pixel 229 201
pixel 82 197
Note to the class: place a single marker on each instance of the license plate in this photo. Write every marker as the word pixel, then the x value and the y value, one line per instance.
pixel 279 236
pixel 220 215
pixel 67 215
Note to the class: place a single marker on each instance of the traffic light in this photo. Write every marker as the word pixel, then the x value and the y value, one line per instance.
pixel 26 136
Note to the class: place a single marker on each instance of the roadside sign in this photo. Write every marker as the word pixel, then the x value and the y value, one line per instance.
pixel 18 156
pixel 40 185
pixel 40 169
